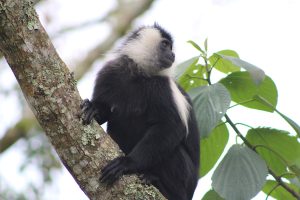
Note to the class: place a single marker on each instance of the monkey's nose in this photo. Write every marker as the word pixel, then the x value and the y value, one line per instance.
pixel 173 55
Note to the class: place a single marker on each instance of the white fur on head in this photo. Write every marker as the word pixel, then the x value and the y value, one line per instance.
pixel 143 48
pixel 182 105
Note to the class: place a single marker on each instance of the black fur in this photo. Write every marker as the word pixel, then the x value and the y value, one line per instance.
pixel 144 121
pixel 134 34
pixel 165 34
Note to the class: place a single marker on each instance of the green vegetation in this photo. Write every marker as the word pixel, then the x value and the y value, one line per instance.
pixel 267 159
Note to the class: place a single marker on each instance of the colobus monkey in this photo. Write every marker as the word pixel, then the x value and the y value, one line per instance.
pixel 148 115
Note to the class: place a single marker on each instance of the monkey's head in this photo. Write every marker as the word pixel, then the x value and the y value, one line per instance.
pixel 150 47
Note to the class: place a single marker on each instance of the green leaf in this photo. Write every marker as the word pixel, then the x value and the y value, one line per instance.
pixel 281 144
pixel 212 148
pixel 292 123
pixel 193 77
pixel 243 90
pixel 279 192
pixel 222 64
pixel 182 67
pixel 256 73
pixel 273 159
pixel 240 175
pixel 210 104
pixel 205 44
pixel 196 46
pixel 212 195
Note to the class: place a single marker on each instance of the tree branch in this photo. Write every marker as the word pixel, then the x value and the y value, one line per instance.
pixel 20 130
pixel 51 92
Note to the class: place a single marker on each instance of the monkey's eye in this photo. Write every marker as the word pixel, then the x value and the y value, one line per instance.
pixel 166 44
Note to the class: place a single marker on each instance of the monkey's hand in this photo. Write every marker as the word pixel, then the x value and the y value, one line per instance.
pixel 116 168
pixel 88 111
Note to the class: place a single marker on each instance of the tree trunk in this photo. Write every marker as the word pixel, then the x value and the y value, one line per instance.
pixel 50 90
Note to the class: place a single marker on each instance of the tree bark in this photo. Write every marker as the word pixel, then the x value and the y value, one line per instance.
pixel 50 90
pixel 120 19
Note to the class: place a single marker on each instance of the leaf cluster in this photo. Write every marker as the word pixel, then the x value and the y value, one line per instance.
pixel 244 170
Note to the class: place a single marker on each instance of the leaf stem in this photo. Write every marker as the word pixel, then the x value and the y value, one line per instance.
pixel 241 103
pixel 196 77
pixel 208 71
pixel 244 125
pixel 287 173
pixel 221 123
pixel 272 191
pixel 214 64
pixel 236 130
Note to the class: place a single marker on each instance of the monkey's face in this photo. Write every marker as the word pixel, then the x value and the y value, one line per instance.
pixel 150 48
pixel 166 56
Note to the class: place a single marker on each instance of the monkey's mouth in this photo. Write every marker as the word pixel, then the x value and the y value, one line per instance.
pixel 171 57
pixel 168 60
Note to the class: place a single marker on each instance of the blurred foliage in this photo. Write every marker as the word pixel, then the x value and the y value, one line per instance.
pixel 9 193
pixel 40 157
pixel 40 154
pixel 31 192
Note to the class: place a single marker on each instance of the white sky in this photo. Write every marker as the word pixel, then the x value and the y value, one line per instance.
pixel 263 32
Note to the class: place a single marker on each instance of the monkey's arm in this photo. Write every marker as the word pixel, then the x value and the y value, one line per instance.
pixel 159 142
